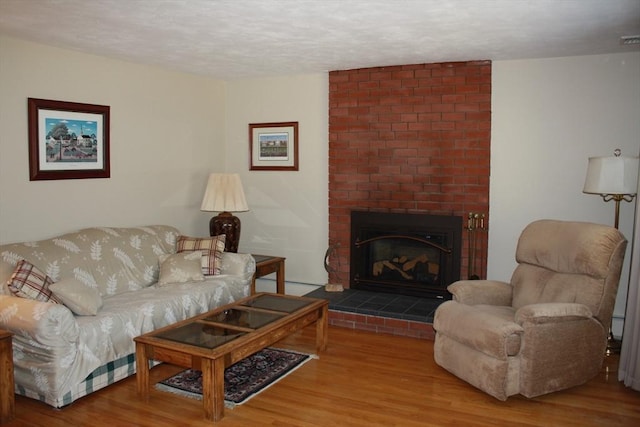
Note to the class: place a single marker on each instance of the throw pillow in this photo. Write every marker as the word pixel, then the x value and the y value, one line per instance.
pixel 180 268
pixel 29 282
pixel 211 248
pixel 77 296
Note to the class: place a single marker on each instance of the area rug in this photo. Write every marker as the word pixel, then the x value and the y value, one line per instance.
pixel 244 379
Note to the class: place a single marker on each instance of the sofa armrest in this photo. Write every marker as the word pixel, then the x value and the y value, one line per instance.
pixel 39 322
pixel 235 264
pixel 552 312
pixel 45 343
pixel 474 292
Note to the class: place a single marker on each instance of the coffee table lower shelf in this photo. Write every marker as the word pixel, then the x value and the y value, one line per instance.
pixel 212 359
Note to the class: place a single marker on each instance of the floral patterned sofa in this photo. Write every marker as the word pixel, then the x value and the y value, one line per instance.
pixel 75 302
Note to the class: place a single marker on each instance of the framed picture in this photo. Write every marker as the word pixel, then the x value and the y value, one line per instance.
pixel 273 146
pixel 67 140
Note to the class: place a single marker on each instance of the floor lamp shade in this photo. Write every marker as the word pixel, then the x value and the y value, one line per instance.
pixel 225 194
pixel 614 178
pixel 612 175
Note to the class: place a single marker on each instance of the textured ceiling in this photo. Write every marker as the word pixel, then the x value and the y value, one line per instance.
pixel 232 39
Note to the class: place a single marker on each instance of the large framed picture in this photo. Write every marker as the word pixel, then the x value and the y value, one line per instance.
pixel 273 146
pixel 67 140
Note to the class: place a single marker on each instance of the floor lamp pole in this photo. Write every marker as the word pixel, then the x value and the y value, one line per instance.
pixel 617 200
pixel 613 345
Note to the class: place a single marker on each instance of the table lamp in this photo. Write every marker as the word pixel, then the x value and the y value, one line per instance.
pixel 224 194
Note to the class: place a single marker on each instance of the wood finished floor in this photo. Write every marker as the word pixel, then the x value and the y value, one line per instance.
pixel 363 379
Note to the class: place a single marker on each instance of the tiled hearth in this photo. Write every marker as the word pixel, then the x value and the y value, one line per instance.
pixel 380 312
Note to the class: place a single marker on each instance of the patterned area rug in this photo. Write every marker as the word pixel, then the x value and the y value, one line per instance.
pixel 242 380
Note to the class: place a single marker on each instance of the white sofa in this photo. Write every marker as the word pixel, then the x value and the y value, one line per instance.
pixel 61 355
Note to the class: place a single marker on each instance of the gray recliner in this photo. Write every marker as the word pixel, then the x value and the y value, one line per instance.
pixel 547 329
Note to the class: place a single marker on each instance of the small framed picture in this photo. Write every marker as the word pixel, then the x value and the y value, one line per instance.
pixel 67 140
pixel 273 146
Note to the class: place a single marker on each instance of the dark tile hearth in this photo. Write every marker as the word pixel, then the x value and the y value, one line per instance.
pixel 380 304
pixel 380 312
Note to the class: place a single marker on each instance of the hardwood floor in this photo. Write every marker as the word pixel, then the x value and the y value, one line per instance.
pixel 363 379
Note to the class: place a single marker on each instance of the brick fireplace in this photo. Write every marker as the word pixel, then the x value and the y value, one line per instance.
pixel 408 139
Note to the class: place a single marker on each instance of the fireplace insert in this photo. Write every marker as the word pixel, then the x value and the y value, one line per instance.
pixel 406 254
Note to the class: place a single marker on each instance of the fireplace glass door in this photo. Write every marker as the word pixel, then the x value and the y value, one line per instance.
pixel 407 254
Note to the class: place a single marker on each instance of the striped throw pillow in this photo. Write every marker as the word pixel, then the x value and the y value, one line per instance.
pixel 29 282
pixel 211 248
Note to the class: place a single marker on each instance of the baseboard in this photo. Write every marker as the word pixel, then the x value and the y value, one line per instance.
pixel 290 288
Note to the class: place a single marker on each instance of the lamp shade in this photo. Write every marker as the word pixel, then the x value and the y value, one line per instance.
pixel 612 175
pixel 224 193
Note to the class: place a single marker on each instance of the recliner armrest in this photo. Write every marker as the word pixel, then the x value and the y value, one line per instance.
pixel 474 292
pixel 552 312
pixel 487 329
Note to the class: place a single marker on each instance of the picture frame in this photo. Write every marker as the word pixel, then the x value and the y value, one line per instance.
pixel 67 140
pixel 273 146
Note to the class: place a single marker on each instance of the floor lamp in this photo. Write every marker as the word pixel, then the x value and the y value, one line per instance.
pixel 224 194
pixel 613 178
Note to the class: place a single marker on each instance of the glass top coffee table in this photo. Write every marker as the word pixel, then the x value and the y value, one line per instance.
pixel 219 338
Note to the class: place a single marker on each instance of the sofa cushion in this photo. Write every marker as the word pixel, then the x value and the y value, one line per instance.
pixel 211 248
pixel 29 282
pixel 115 260
pixel 180 268
pixel 77 296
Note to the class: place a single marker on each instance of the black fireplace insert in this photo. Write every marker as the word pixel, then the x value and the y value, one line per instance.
pixel 406 254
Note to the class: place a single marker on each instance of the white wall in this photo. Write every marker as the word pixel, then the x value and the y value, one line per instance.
pixel 167 135
pixel 549 117
pixel 288 213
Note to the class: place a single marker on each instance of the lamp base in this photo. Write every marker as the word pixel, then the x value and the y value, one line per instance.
pixel 613 345
pixel 229 225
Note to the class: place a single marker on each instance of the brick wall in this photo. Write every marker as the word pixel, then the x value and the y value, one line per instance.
pixel 409 139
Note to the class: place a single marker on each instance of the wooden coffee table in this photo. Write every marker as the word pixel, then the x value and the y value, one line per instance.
pixel 219 338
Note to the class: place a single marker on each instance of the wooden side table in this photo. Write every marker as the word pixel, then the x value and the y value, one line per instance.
pixel 267 264
pixel 7 397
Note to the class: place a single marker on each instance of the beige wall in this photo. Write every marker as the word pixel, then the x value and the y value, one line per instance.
pixel 167 135
pixel 288 210
pixel 170 130
pixel 549 117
